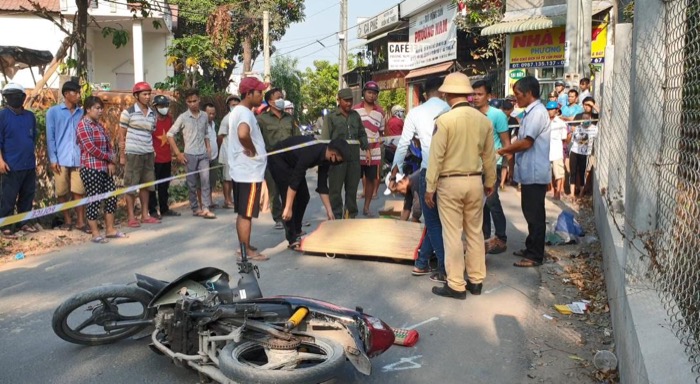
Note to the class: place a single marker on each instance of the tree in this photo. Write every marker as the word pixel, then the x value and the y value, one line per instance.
pixel 320 88
pixel 234 29
pixel 287 77
pixel 391 97
pixel 474 15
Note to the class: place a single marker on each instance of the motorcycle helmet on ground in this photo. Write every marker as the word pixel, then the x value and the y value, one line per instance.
pixel 371 86
pixel 141 86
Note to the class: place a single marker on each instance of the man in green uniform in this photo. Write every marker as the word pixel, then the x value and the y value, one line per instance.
pixel 276 125
pixel 345 123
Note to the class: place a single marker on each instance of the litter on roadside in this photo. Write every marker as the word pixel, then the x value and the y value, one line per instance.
pixel 577 307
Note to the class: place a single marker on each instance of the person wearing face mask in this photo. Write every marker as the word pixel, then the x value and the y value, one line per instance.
pixel 276 125
pixel 289 168
pixel 18 135
pixel 394 127
pixel 158 199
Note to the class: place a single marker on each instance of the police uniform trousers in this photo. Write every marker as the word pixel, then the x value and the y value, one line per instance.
pixel 345 175
pixel 461 208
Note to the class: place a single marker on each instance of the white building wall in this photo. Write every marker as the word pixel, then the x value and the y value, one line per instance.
pixel 30 32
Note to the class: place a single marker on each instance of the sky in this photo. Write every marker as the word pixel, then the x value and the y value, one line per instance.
pixel 323 19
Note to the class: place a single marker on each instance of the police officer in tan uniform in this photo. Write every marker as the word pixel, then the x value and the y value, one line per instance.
pixel 462 150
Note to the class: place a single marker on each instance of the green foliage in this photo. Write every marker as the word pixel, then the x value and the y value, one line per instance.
pixel 628 12
pixel 480 14
pixel 389 98
pixel 286 76
pixel 120 37
pixel 186 55
pixel 320 88
pixel 178 193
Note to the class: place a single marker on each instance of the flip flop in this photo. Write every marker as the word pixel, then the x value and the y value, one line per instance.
pixel 527 263
pixel 208 215
pixel 99 240
pixel 66 227
pixel 118 235
pixel 228 206
pixel 133 224
pixel 150 220
pixel 29 229
pixel 6 233
pixel 85 229
pixel 197 213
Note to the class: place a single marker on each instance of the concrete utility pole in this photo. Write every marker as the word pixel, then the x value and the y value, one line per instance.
pixel 266 44
pixel 572 48
pixel 343 54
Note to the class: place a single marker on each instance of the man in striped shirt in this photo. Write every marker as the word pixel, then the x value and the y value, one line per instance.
pixel 137 154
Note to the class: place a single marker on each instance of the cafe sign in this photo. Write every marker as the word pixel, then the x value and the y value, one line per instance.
pixel 378 23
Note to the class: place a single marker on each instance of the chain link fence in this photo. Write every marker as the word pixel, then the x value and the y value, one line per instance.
pixel 648 153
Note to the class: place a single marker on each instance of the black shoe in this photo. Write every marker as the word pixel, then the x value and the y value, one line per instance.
pixel 446 291
pixel 474 289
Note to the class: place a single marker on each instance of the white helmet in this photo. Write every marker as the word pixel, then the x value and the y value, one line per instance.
pixel 288 104
pixel 397 108
pixel 11 88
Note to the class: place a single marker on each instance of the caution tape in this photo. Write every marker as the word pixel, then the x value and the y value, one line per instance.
pixel 565 121
pixel 46 211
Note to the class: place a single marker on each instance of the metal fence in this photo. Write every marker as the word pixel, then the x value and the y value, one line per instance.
pixel 648 152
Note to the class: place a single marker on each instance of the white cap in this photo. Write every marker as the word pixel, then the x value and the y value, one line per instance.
pixel 288 104
pixel 387 181
pixel 396 108
pixel 12 87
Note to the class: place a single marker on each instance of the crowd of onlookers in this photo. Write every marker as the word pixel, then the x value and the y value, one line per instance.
pixel 449 156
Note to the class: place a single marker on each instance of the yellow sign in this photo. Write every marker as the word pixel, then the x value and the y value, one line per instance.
pixel 545 48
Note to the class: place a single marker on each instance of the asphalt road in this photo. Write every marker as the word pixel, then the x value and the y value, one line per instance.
pixel 480 340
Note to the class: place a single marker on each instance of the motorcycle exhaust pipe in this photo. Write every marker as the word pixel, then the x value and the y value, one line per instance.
pixel 114 325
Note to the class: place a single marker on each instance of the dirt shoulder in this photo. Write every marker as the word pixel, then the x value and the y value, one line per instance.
pixel 562 346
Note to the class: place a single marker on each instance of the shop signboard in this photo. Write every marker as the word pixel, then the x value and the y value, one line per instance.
pixel 378 23
pixel 400 56
pixel 433 34
pixel 547 47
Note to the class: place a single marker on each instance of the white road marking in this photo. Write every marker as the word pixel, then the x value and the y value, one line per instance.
pixel 423 323
pixel 403 364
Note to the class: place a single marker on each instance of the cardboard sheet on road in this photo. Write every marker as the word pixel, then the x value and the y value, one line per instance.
pixel 384 238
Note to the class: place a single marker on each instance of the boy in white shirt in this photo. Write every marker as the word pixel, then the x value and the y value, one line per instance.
pixel 556 148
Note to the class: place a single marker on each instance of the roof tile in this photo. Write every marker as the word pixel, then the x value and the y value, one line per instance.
pixel 16 5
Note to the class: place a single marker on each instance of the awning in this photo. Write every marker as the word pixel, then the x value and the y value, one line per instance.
pixel 437 68
pixel 537 18
pixel 12 59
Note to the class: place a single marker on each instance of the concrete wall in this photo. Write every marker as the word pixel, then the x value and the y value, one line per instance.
pixel 116 65
pixel 30 32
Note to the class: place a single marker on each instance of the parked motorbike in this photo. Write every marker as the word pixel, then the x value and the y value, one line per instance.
pixel 228 333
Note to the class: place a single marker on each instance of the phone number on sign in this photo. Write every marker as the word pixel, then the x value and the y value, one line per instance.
pixel 535 64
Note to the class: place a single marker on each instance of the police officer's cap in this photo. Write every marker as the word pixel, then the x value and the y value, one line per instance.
pixel 345 94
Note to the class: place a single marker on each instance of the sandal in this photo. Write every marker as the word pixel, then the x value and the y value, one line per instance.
pixel 171 213
pixel 208 215
pixel 66 227
pixel 85 229
pixel 527 263
pixel 29 229
pixel 295 245
pixel 254 256
pixel 420 272
pixel 520 253
pixel 99 240
pixel 118 235
pixel 8 234
pixel 228 206
pixel 150 220
pixel 214 206
pixel 133 224
pixel 196 213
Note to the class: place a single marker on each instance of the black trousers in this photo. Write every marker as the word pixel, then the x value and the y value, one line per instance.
pixel 532 201
pixel 281 173
pixel 17 189
pixel 159 197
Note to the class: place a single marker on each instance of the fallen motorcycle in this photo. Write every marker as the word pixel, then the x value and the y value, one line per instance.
pixel 230 334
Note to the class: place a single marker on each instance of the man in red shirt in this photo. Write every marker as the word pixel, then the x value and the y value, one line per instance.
pixel 158 200
pixel 372 116
pixel 394 127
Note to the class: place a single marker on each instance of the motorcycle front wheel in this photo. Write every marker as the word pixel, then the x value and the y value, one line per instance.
pixel 310 362
pixel 82 318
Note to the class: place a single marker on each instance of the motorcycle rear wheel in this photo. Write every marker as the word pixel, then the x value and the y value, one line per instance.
pixel 246 362
pixel 107 301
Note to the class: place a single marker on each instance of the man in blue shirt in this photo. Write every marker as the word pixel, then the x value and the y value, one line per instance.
pixel 501 138
pixel 573 108
pixel 61 125
pixel 420 123
pixel 532 168
pixel 18 135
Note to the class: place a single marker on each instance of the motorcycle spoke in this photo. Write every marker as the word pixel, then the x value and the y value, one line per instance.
pixel 305 356
pixel 86 323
